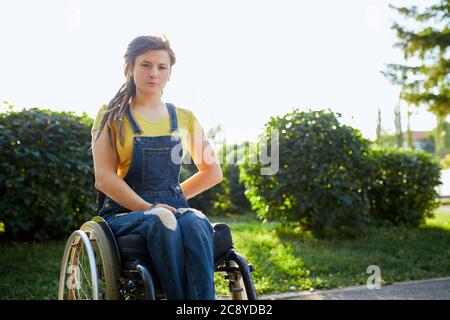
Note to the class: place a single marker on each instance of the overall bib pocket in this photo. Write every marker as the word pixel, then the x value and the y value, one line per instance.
pixel 155 166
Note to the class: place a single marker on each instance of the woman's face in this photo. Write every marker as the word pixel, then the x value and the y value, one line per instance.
pixel 151 71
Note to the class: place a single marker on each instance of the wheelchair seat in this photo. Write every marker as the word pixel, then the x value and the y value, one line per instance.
pixel 133 248
pixel 133 253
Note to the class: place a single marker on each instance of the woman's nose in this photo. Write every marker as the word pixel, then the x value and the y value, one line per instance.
pixel 153 72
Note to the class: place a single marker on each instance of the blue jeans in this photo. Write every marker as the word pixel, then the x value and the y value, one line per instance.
pixel 180 246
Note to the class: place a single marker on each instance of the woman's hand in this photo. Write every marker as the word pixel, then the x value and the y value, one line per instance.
pixel 161 205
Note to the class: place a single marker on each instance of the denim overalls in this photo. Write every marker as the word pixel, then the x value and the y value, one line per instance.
pixel 181 244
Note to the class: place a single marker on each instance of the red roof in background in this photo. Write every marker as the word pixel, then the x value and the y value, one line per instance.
pixel 416 135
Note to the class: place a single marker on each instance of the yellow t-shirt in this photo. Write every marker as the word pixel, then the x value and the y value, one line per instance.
pixel 187 123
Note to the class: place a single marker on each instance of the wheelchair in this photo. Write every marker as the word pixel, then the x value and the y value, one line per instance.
pixel 98 266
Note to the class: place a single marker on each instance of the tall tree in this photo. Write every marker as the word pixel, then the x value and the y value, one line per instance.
pixel 379 127
pixel 408 129
pixel 426 83
pixel 398 126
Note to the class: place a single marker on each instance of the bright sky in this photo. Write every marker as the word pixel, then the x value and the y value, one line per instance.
pixel 239 62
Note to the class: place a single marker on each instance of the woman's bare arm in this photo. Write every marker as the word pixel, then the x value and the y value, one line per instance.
pixel 106 179
pixel 209 171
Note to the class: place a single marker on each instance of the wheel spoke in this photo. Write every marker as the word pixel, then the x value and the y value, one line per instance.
pixel 84 273
pixel 86 296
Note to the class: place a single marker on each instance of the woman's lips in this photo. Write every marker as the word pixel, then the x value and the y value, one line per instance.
pixel 152 83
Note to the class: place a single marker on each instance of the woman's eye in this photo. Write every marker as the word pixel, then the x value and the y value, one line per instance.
pixel 146 65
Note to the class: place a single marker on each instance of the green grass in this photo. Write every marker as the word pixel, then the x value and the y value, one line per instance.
pixel 288 260
pixel 285 260
pixel 30 270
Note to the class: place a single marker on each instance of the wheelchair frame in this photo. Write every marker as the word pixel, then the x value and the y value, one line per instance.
pixel 108 276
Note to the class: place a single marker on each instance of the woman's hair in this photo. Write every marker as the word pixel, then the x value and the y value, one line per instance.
pixel 118 105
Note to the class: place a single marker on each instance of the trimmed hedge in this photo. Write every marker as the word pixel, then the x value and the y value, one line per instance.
pixel 322 180
pixel 331 183
pixel 47 183
pixel 404 186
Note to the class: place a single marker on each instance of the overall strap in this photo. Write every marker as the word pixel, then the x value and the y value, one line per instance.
pixel 173 118
pixel 136 128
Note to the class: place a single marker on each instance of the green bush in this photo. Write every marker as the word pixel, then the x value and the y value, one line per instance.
pixel 47 183
pixel 445 162
pixel 238 200
pixel 232 155
pixel 322 180
pixel 404 186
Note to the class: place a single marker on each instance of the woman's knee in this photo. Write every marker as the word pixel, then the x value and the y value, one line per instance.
pixel 163 216
pixel 194 219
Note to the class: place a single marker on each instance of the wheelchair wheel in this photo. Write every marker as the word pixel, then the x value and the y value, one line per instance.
pixel 89 266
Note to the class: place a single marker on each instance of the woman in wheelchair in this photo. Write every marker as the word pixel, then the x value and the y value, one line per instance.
pixel 137 162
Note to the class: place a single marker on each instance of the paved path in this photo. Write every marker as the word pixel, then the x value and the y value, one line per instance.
pixel 433 289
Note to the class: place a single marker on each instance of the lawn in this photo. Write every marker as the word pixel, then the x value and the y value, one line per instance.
pixel 285 260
